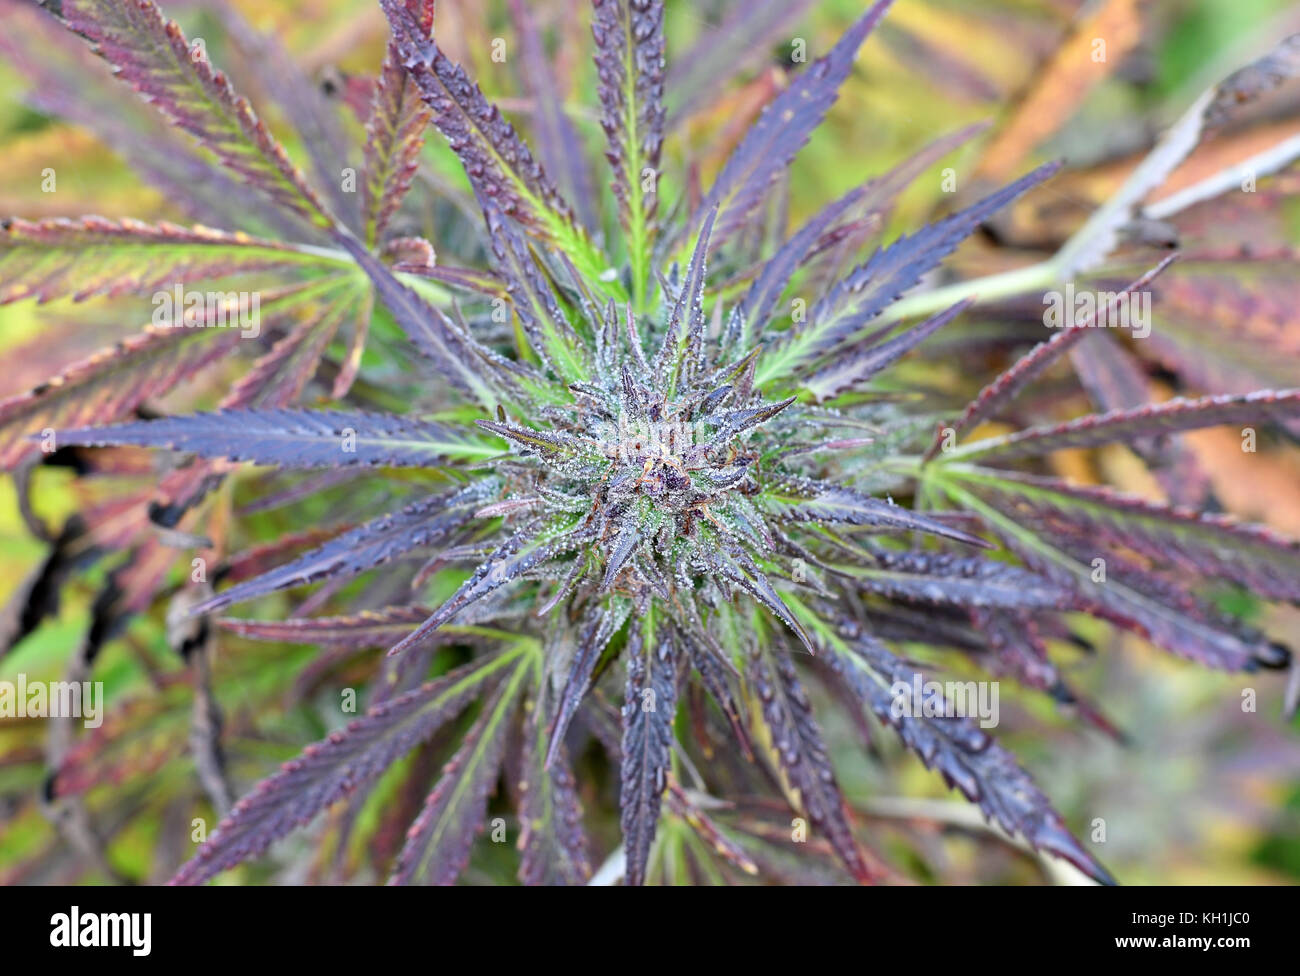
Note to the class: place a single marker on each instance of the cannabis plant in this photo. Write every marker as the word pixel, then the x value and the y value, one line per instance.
pixel 653 496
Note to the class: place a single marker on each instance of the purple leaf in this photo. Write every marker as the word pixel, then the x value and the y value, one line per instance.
pixel 1146 421
pixel 293 438
pixel 1033 363
pixel 152 55
pixel 349 759
pixel 800 754
pixel 849 371
pixel 782 129
pixel 875 196
pixel 438 843
pixel 649 708
pixel 962 752
pixel 420 523
pixel 805 500
pixel 872 286
pixel 552 841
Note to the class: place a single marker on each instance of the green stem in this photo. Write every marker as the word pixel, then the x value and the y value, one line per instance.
pixel 992 288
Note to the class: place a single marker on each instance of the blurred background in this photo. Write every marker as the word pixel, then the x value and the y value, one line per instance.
pixel 1200 791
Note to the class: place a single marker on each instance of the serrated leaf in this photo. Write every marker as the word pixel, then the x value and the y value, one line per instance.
pixel 548 330
pixel 1215 547
pixel 152 55
pixel 1127 425
pixel 968 581
pixel 1130 600
pixel 438 843
pixel 498 163
pixel 804 500
pixel 649 708
pixel 629 58
pixel 595 630
pixel 963 753
pixel 289 438
pixel 874 197
pixel 369 628
pixel 346 761
pixel 796 745
pixel 1008 385
pixel 848 372
pixel 552 841
pixel 508 562
pixel 94 257
pixel 279 377
pixel 429 520
pixel 394 134
pixel 872 286
pixel 110 383
pixel 781 131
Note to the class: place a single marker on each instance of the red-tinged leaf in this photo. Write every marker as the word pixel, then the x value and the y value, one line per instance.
pixel 1034 363
pixel 1215 547
pixel 293 438
pixel 421 523
pixel 347 760
pixel 114 382
pixel 1228 327
pixel 497 161
pixel 91 257
pixel 1126 425
pixel 394 133
pixel 629 58
pixel 1063 536
pixel 369 628
pixel 152 55
pixel 361 314
pixel 681 804
pixel 872 286
pixel 874 197
pixel 552 841
pixel 66 81
pixel 109 384
pixel 278 378
pixel 314 116
pixel 849 371
pixel 791 734
pixel 965 755
pixel 649 708
pixel 438 844
pixel 781 131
